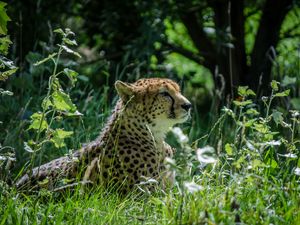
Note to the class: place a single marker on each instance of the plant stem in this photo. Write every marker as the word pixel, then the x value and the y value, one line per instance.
pixel 269 105
pixel 50 84
pixel 293 130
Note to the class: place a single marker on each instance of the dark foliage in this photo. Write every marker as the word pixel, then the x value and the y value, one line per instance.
pixel 125 32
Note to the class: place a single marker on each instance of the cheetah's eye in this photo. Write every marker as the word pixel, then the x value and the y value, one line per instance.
pixel 166 94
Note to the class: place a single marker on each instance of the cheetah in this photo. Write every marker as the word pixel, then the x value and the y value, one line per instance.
pixel 130 147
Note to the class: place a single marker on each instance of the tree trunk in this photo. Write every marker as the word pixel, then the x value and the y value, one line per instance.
pixel 229 18
pixel 227 53
pixel 259 75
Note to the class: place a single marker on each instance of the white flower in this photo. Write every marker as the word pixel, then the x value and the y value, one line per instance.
pixel 264 98
pixel 225 109
pixel 250 146
pixel 169 67
pixel 148 180
pixel 182 138
pixel 4 158
pixel 273 143
pixel 297 171
pixel 170 161
pixel 289 155
pixel 286 125
pixel 295 113
pixel 192 187
pixel 228 111
pixel 205 155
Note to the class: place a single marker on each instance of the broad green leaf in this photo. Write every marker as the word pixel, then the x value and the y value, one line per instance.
pixel 270 136
pixel 295 103
pixel 249 123
pixel 59 31
pixel 277 117
pixel 72 75
pixel 51 56
pixel 68 50
pixel 229 149
pixel 46 104
pixel 274 85
pixel 257 163
pixel 242 103
pixel 69 41
pixel 62 102
pixel 250 92
pixel 5 42
pixel 36 122
pixel 261 128
pixel 62 134
pixel 58 143
pixel 4 75
pixel 58 137
pixel 252 111
pixel 3 18
pixel 242 90
pixel 283 94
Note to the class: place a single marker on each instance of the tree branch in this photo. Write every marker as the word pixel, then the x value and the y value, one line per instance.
pixel 201 41
pixel 237 20
pixel 186 53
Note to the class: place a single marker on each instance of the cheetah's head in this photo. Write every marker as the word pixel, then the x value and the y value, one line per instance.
pixel 155 101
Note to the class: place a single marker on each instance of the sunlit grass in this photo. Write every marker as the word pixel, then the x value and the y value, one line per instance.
pixel 247 199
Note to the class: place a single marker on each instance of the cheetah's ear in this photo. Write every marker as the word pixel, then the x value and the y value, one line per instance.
pixel 125 90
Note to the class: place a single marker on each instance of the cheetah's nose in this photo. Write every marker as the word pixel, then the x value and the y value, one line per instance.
pixel 186 106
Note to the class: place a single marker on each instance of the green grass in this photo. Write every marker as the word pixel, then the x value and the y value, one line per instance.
pixel 249 200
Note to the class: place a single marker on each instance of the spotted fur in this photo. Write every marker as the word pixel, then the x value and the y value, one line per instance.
pixel 131 145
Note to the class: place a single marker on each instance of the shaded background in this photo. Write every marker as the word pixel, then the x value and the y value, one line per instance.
pixel 241 40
